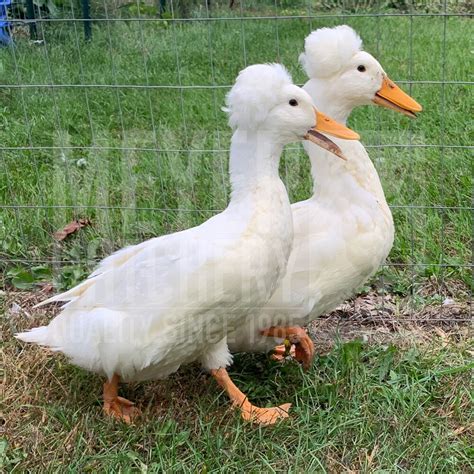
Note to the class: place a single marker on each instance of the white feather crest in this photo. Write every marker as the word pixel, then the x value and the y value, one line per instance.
pixel 327 50
pixel 256 91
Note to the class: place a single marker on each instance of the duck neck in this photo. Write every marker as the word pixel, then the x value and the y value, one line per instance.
pixel 328 99
pixel 328 173
pixel 254 160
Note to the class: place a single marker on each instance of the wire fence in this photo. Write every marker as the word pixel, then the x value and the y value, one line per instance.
pixel 112 112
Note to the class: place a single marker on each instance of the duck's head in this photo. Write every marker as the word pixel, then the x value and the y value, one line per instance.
pixel 350 76
pixel 265 100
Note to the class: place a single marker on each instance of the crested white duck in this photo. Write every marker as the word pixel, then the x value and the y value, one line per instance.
pixel 344 232
pixel 171 300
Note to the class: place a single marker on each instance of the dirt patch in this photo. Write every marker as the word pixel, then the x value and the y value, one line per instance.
pixel 385 318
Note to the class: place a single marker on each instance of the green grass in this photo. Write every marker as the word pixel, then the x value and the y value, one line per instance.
pixel 359 409
pixel 187 177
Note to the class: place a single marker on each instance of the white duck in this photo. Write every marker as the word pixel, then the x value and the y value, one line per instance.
pixel 344 232
pixel 171 300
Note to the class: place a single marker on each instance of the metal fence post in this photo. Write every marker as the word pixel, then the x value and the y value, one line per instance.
pixel 162 7
pixel 86 15
pixel 30 14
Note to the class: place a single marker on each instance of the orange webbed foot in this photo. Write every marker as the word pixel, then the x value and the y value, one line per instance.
pixel 304 350
pixel 264 416
pixel 295 337
pixel 280 353
pixel 249 412
pixel 118 407
pixel 121 409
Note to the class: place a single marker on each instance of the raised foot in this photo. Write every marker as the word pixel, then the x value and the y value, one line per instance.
pixel 121 409
pixel 264 416
pixel 297 344
pixel 304 351
pixel 280 353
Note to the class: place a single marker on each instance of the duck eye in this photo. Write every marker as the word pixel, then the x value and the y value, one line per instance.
pixel 361 68
pixel 293 102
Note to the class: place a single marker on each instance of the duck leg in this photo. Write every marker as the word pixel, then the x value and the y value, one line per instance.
pixel 249 412
pixel 115 406
pixel 292 335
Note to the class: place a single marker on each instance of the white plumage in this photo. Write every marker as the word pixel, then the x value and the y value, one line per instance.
pixel 328 50
pixel 344 232
pixel 171 300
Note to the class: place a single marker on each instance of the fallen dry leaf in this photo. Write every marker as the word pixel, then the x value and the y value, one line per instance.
pixel 71 228
pixel 462 429
pixel 46 287
pixel 370 457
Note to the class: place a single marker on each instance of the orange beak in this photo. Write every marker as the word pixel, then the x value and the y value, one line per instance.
pixel 331 127
pixel 392 97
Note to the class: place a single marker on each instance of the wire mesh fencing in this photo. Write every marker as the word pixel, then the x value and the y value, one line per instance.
pixel 111 113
